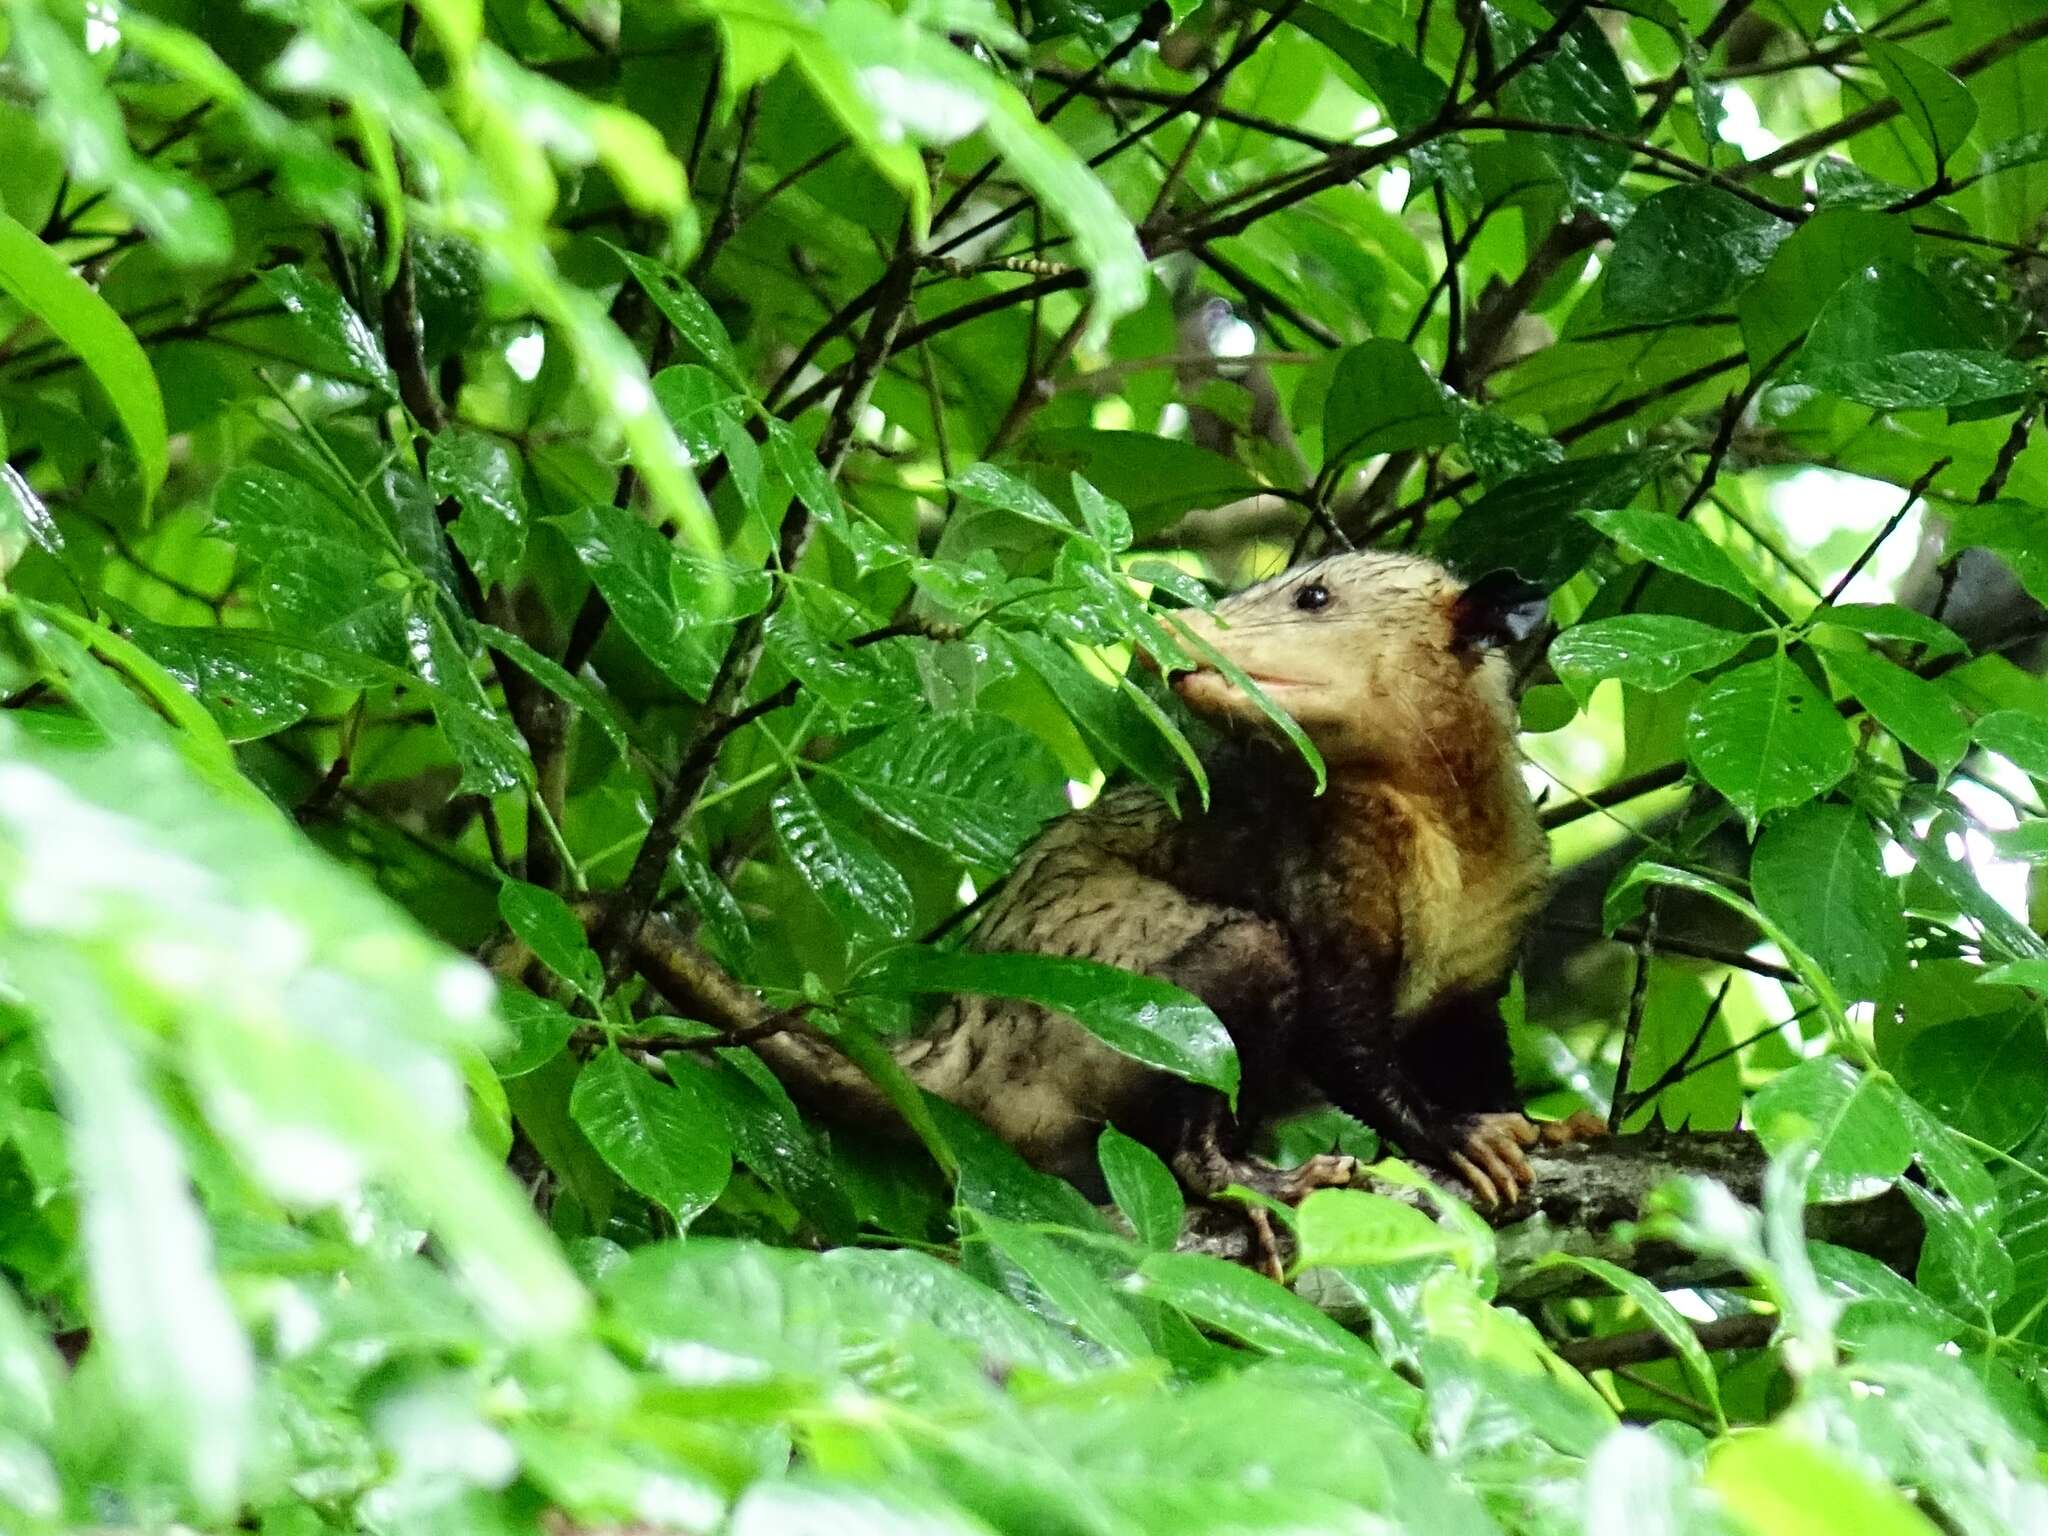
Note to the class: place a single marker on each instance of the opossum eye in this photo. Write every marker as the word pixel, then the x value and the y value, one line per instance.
pixel 1498 609
pixel 1311 597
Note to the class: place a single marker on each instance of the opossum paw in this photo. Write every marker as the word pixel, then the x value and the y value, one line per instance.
pixel 1486 1152
pixel 1580 1125
pixel 1326 1170
pixel 1291 1186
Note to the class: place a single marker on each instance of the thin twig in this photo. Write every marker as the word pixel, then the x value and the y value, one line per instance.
pixel 1919 489
pixel 1639 993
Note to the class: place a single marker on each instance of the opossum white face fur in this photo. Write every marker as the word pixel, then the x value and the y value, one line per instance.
pixel 1389 662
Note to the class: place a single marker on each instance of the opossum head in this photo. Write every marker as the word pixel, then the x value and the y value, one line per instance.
pixel 1387 661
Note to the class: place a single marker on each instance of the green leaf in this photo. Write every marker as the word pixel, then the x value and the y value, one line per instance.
pixel 540 1028
pixel 1143 1017
pixel 925 89
pixel 993 487
pixel 2018 737
pixel 1250 1308
pixel 769 1136
pixel 1891 338
pixel 596 707
pixel 666 600
pixel 1069 1284
pixel 1891 621
pixel 1658 1311
pixel 1409 93
pixel 1986 1076
pixel 695 322
pixel 1622 902
pixel 1157 478
pixel 1579 82
pixel 1382 401
pixel 1107 523
pixel 1109 719
pixel 1688 250
pixel 1528 523
pixel 481 475
pixel 1936 103
pixel 1853 1118
pixel 857 885
pixel 1650 650
pixel 479 737
pixel 1766 738
pixel 325 573
pixel 863 686
pixel 1676 546
pixel 1143 1188
pixel 1353 1227
pixel 82 118
pixel 663 1143
pixel 704 409
pixel 159 1310
pixel 872 548
pixel 1817 871
pixel 1779 307
pixel 37 279
pixel 335 339
pixel 972 784
pixel 543 922
pixel 1919 713
pixel 1773 1481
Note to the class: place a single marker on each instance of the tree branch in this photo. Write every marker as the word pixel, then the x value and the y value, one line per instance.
pixel 1976 60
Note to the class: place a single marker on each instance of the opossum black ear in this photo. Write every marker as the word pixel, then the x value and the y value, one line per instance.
pixel 1498 609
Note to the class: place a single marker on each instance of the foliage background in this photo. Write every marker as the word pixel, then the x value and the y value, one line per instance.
pixel 462 456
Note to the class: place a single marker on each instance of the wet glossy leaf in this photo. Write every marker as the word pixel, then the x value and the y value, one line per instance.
pixel 1580 82
pixel 684 308
pixel 1676 546
pixel 1066 1280
pixel 330 336
pixel 1890 338
pixel 1144 1188
pixel 480 473
pixel 972 784
pixel 1852 1116
pixel 1820 875
pixel 1250 1308
pixel 1688 250
pixel 539 1029
pixel 662 597
pixel 665 1144
pixel 1766 738
pixel 857 885
pixel 542 921
pixel 1651 650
